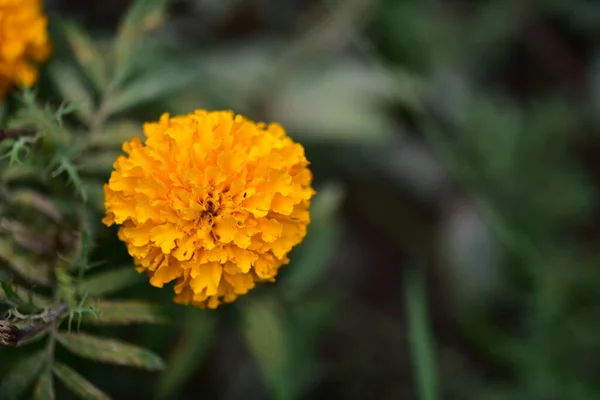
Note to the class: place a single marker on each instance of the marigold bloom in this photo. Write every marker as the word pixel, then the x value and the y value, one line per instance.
pixel 212 200
pixel 24 42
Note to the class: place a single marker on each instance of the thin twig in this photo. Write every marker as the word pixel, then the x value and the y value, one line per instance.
pixel 51 317
pixel 13 133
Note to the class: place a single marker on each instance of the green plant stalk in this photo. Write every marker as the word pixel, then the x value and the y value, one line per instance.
pixel 53 330
pixel 421 345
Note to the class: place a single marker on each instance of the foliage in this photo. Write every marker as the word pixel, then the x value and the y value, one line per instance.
pixel 49 226
pixel 452 251
pixel 55 160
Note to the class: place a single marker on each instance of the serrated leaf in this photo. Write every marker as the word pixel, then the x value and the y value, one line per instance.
pixel 125 312
pixel 109 282
pixel 197 333
pixel 264 332
pixel 21 376
pixel 77 383
pixel 36 273
pixel 19 147
pixel 73 89
pixel 42 117
pixel 87 54
pixel 44 388
pixel 63 110
pixel 65 165
pixel 110 351
pixel 151 87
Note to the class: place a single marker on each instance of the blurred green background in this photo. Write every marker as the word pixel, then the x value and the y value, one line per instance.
pixel 453 252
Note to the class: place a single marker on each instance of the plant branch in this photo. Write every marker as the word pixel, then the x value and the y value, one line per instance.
pixel 51 319
pixel 14 133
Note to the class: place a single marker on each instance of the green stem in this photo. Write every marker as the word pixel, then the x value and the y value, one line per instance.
pixel 101 114
pixel 53 331
pixel 51 344
pixel 421 345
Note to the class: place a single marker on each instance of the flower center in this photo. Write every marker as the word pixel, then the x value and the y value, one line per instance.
pixel 212 208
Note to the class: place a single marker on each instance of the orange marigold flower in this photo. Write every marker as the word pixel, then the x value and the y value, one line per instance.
pixel 212 200
pixel 24 42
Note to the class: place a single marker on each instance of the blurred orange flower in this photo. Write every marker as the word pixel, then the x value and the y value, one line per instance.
pixel 24 42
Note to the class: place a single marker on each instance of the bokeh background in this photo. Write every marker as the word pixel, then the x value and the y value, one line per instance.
pixel 453 252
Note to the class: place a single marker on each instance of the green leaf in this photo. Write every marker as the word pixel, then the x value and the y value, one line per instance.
pixel 110 351
pixel 309 261
pixel 20 172
pixel 98 164
pixel 73 90
pixel 95 191
pixel 65 165
pixel 44 388
pixel 152 86
pixel 35 200
pixel 14 297
pixel 14 155
pixel 344 104
pixel 36 273
pixel 87 54
pixel 264 332
pixel 421 343
pixel 27 296
pixel 29 237
pixel 77 383
pixel 125 312
pixel 44 118
pixel 197 334
pixel 63 110
pixel 84 253
pixel 308 319
pixel 21 376
pixel 114 134
pixel 142 17
pixel 109 282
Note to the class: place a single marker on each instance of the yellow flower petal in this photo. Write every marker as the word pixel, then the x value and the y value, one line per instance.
pixel 271 229
pixel 226 229
pixel 165 236
pixel 206 277
pixel 211 200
